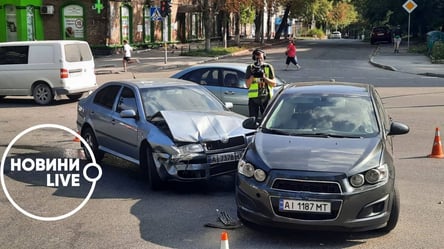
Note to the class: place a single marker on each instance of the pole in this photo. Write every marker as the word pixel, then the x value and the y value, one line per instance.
pixel 408 34
pixel 165 38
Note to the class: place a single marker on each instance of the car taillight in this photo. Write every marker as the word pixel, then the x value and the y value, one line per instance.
pixel 64 73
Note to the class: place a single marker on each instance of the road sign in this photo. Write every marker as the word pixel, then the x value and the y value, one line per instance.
pixel 155 14
pixel 409 5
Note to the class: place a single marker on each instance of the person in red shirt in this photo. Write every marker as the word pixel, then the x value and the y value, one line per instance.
pixel 291 55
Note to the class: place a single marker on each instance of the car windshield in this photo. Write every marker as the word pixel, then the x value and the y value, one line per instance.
pixel 326 115
pixel 178 98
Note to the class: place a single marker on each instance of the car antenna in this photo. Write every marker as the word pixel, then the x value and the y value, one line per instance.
pixel 134 76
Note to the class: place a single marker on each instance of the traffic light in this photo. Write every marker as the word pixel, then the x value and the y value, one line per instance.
pixel 163 8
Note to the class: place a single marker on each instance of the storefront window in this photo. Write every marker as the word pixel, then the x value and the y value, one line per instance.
pixel 147 23
pixel 11 23
pixel 73 22
pixel 125 19
pixel 30 23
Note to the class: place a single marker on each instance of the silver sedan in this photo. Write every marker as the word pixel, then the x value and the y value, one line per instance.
pixel 173 129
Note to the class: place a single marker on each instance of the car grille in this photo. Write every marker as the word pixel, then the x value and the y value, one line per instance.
pixel 233 142
pixel 306 186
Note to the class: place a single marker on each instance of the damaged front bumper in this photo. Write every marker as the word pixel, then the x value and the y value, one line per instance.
pixel 198 166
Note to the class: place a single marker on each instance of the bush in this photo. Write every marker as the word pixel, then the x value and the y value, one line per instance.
pixel 438 51
pixel 318 33
pixel 214 52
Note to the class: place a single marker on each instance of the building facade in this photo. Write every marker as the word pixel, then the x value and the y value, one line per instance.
pixel 106 23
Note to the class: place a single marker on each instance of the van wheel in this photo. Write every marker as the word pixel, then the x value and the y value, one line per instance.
pixel 42 94
pixel 74 96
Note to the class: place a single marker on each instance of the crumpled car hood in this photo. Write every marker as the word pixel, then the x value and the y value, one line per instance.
pixel 204 126
pixel 317 154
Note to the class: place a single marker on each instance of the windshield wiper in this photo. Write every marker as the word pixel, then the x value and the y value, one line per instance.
pixel 324 134
pixel 275 131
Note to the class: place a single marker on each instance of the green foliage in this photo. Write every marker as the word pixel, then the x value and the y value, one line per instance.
pixel 420 48
pixel 214 52
pixel 247 15
pixel 438 50
pixel 318 33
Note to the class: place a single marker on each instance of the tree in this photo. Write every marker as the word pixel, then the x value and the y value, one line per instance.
pixel 341 15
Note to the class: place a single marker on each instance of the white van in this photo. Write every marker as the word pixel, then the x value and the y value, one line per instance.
pixel 46 69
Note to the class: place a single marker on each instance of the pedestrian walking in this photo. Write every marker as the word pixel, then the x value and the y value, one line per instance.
pixel 127 49
pixel 397 36
pixel 260 80
pixel 291 55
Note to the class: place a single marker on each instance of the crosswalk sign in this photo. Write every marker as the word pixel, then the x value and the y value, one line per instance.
pixel 155 14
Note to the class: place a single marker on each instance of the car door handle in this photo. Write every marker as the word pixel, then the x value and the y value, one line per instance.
pixel 229 92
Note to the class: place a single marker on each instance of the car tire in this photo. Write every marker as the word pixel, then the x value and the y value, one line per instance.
pixel 90 137
pixel 149 168
pixel 394 213
pixel 42 94
pixel 74 96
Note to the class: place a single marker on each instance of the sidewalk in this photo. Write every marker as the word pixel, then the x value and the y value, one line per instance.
pixel 404 61
pixel 153 60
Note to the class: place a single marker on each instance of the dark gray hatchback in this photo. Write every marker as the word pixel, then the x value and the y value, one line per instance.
pixel 321 158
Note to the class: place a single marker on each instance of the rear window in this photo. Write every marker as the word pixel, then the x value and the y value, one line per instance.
pixel 77 52
pixel 14 55
pixel 380 29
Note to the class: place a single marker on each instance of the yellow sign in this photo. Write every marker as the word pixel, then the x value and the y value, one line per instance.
pixel 409 5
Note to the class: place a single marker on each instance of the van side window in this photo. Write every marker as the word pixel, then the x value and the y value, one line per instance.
pixel 77 52
pixel 106 96
pixel 14 55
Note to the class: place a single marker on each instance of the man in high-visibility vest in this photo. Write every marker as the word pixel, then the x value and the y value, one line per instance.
pixel 260 81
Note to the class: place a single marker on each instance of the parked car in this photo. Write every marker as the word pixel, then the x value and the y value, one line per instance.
pixel 225 80
pixel 174 129
pixel 46 69
pixel 335 35
pixel 322 158
pixel 381 34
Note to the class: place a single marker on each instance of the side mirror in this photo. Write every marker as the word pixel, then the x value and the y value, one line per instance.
pixel 128 114
pixel 250 123
pixel 397 128
pixel 229 105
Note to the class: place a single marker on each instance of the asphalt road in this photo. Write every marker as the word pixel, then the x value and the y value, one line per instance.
pixel 124 213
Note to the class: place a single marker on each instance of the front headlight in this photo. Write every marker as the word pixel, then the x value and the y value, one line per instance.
pixel 245 168
pixel 260 175
pixel 190 148
pixel 371 176
pixel 248 170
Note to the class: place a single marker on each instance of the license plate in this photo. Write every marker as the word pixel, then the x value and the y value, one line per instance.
pixel 224 157
pixel 305 206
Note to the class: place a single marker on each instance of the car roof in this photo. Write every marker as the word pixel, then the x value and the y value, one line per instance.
pixel 153 82
pixel 21 43
pixel 347 88
pixel 240 66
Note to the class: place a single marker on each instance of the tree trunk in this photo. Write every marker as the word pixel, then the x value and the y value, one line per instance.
pixel 237 28
pixel 258 22
pixel 284 24
pixel 206 16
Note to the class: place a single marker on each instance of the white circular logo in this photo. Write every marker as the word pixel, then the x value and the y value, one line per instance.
pixel 30 164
